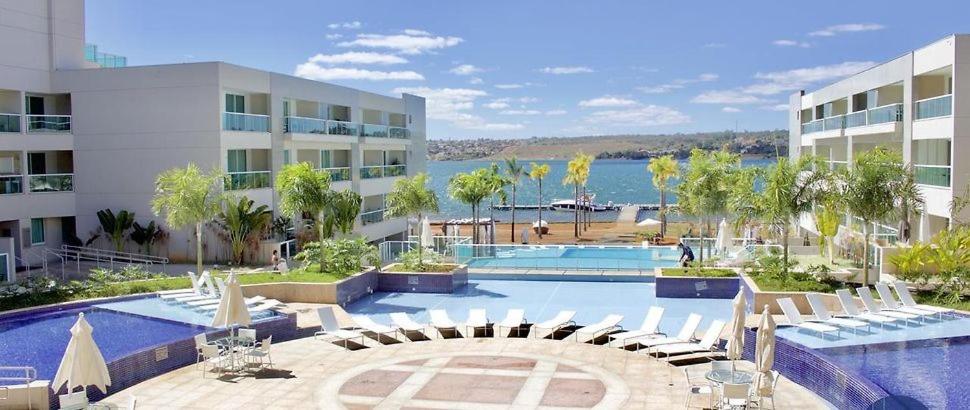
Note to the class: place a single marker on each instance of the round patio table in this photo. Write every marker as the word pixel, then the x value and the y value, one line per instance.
pixel 234 346
pixel 729 376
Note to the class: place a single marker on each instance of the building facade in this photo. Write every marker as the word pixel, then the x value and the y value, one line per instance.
pixel 78 135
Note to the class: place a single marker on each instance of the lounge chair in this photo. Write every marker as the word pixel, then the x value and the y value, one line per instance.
pixel 685 335
pixel 562 319
pixel 477 319
pixel 441 321
pixel 513 320
pixel 214 305
pixel 206 291
pixel 795 319
pixel 406 324
pixel 907 299
pixel 329 327
pixel 871 305
pixel 366 323
pixel 649 327
pixel 852 310
pixel 823 315
pixel 195 290
pixel 266 305
pixel 889 301
pixel 608 324
pixel 708 342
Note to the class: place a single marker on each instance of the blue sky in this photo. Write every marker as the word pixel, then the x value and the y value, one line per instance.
pixel 542 68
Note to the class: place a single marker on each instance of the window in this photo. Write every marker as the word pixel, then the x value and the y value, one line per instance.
pixel 235 103
pixel 37 231
pixel 286 157
pixel 237 160
pixel 35 105
pixel 4 260
pixel 36 163
pixel 325 159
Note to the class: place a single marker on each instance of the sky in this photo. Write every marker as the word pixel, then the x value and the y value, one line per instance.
pixel 513 69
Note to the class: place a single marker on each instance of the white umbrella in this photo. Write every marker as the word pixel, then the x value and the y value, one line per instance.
pixel 426 239
pixel 764 354
pixel 82 364
pixel 232 309
pixel 721 239
pixel 924 227
pixel 648 222
pixel 735 345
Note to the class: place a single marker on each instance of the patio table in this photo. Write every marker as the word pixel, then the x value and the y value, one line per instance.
pixel 730 376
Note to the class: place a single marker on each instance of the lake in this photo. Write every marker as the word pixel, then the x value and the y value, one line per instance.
pixel 620 181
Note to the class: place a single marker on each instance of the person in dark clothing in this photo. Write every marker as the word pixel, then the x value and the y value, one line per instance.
pixel 686 254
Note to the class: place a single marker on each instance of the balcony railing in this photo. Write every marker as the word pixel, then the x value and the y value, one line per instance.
pixel 49 123
pixel 51 182
pixel 395 170
pixel 343 128
pixel 375 171
pixel 247 180
pixel 399 132
pixel 837 165
pixel 810 127
pixel 237 121
pixel 873 116
pixel 374 130
pixel 834 123
pixel 934 107
pixel 304 125
pixel 936 175
pixel 371 217
pixel 9 122
pixel 11 184
pixel 338 174
pixel 856 119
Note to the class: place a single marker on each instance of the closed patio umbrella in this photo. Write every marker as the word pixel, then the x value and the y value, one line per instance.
pixel 232 309
pixel 924 227
pixel 82 364
pixel 764 354
pixel 720 241
pixel 735 345
pixel 426 239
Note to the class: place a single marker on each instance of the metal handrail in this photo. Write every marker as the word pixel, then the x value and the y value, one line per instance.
pixel 136 257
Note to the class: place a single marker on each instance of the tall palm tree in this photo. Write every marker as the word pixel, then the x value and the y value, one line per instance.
pixel 471 188
pixel 187 196
pixel 497 182
pixel 587 164
pixel 538 173
pixel 574 177
pixel 514 171
pixel 303 190
pixel 243 224
pixel 411 196
pixel 345 206
pixel 663 168
pixel 706 188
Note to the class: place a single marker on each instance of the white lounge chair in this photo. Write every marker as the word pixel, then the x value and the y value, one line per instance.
pixel 871 305
pixel 329 327
pixel 266 305
pixel 608 324
pixel 208 307
pixel 513 320
pixel 562 319
pixel 795 318
pixel 477 319
pixel 406 324
pixel 366 323
pixel 206 290
pixel 852 310
pixel 685 335
pixel 889 301
pixel 195 290
pixel 649 327
pixel 907 299
pixel 441 321
pixel 823 315
pixel 708 342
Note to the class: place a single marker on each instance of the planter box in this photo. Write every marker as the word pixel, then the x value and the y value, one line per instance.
pixel 696 287
pixel 424 282
pixel 757 299
pixel 343 292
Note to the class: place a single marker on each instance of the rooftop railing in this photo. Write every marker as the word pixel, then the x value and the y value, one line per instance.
pixel 9 122
pixel 934 107
pixel 51 182
pixel 247 180
pixel 935 175
pixel 49 123
pixel 237 121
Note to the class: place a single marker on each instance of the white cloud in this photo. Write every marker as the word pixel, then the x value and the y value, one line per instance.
pixel 314 71
pixel 508 86
pixel 556 112
pixel 846 28
pixel 452 105
pixel 727 97
pixel 497 104
pixel 475 80
pixel 356 57
pixel 640 116
pixel 520 112
pixel 348 25
pixel 465 69
pixel 799 78
pixel 678 84
pixel 607 101
pixel 566 70
pixel 527 100
pixel 659 89
pixel 791 43
pixel 775 107
pixel 715 45
pixel 334 36
pixel 730 109
pixel 410 42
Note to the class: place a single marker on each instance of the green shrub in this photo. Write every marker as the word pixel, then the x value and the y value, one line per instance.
pixel 339 256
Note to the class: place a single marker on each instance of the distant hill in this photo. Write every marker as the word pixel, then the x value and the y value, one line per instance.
pixel 749 143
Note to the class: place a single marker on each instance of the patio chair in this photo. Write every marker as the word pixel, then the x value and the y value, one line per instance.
pixel 329 327
pixel 685 335
pixel 708 343
pixel 890 302
pixel 514 319
pixel 260 353
pixel 406 324
pixel 73 400
pixel 735 395
pixel 249 335
pixel 200 340
pixel 608 324
pixel 206 290
pixel 214 357
pixel 871 305
pixel 852 310
pixel 761 397
pixel 441 321
pixel 650 327
pixel 368 324
pixel 698 387
pixel 823 315
pixel 907 299
pixel 562 319
pixel 795 319
pixel 477 319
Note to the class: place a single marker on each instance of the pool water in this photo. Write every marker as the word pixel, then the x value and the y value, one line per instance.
pixel 543 299
pixel 556 257
pixel 931 328
pixel 159 308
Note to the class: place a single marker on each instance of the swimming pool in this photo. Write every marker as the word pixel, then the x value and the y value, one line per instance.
pixel 158 308
pixel 567 257
pixel 931 328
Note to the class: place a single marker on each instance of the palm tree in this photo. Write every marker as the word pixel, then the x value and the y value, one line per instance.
pixel 303 190
pixel 586 162
pixel 116 226
pixel 705 190
pixel 663 168
pixel 244 224
pixel 411 196
pixel 187 196
pixel 828 215
pixel 344 208
pixel 472 188
pixel 538 172
pixel 497 182
pixel 514 171
pixel 574 177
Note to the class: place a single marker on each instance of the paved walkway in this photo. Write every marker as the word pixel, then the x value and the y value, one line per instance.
pixel 481 373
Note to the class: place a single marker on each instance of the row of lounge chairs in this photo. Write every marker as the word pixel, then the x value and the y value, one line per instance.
pixel 204 295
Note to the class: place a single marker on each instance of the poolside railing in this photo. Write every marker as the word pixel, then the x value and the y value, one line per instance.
pixel 443 245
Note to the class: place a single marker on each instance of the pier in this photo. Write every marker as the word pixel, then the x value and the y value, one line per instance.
pixel 614 207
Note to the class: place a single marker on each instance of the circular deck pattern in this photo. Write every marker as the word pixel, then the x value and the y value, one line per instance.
pixel 470 380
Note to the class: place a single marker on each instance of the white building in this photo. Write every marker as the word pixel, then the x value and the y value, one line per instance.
pixel 917 104
pixel 76 138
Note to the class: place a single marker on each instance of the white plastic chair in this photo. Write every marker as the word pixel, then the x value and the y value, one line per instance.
pixel 441 321
pixel 213 357
pixel 761 398
pixel 261 353
pixel 247 336
pixel 698 387
pixel 735 395
pixel 329 327
pixel 477 319
pixel 513 320
pixel 649 328
pixel 406 324
pixel 562 319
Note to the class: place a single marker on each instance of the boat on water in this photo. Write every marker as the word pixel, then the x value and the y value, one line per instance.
pixel 587 204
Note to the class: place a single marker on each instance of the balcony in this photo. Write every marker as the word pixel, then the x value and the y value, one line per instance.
pixel 371 217
pixel 941 106
pixel 338 174
pixel 51 182
pixel 304 125
pixel 810 127
pixel 9 122
pixel 247 180
pixel 48 123
pixel 399 132
pixel 235 121
pixel 834 123
pixel 343 128
pixel 11 184
pixel 373 130
pixel 934 175
pixel 382 171
pixel 873 116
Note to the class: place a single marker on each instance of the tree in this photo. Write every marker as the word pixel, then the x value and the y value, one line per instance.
pixel 663 169
pixel 584 167
pixel 910 202
pixel 244 225
pixel 828 215
pixel 706 187
pixel 147 235
pixel 187 196
pixel 472 188
pixel 344 208
pixel 514 171
pixel 411 196
pixel 538 172
pixel 116 226
pixel 574 177
pixel 497 182
pixel 303 190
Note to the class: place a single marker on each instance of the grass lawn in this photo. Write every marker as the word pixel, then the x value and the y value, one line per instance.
pixel 428 268
pixel 295 275
pixel 700 273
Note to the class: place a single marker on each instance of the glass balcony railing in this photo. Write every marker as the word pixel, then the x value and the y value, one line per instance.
pixel 834 123
pixel 810 127
pixel 247 180
pixel 934 107
pixel 373 130
pixel 837 165
pixel 49 123
pixel 11 184
pixel 338 174
pixel 51 183
pixel 9 122
pixel 856 119
pixel 936 175
pixel 237 121
pixel 886 113
pixel 376 171
pixel 371 217
pixel 304 125
pixel 343 128
pixel 399 132
pixel 395 170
